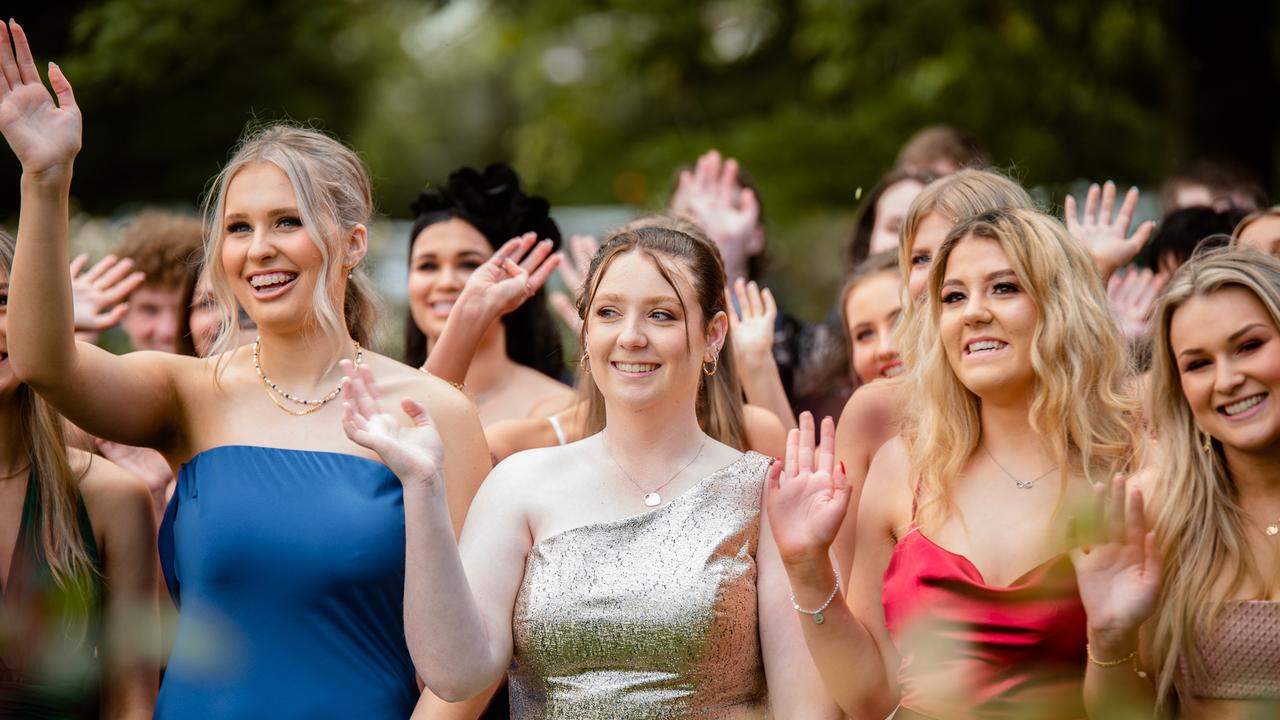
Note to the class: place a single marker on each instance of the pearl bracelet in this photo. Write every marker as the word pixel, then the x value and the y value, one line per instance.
pixel 818 617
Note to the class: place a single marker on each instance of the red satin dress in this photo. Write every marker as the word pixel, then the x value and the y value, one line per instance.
pixel 973 650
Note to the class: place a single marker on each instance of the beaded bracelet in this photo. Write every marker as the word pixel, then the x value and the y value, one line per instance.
pixel 818 617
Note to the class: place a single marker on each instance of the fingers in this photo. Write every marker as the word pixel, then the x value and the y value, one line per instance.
pixel 61 87
pixel 22 50
pixel 416 412
pixel 107 320
pixel 753 295
pixel 77 265
pixel 740 298
pixel 706 172
pixel 749 204
pixel 793 452
pixel 1135 526
pixel 827 447
pixel 727 183
pixel 1091 205
pixel 102 266
pixel 773 480
pixel 1108 203
pixel 112 273
pixel 1114 513
pixel 566 309
pixel 1151 565
pixel 1126 210
pixel 542 273
pixel 770 305
pixel 1069 211
pixel 730 310
pixel 584 248
pixel 1140 237
pixel 8 65
pixel 118 291
pixel 805 459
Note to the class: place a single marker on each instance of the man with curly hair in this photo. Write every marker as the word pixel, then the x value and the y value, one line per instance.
pixel 161 244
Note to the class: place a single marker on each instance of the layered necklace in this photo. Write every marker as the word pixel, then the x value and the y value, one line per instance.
pixel 280 397
pixel 653 498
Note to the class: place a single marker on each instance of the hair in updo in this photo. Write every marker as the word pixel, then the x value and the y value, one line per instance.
pixel 719 403
pixel 332 189
pixel 493 203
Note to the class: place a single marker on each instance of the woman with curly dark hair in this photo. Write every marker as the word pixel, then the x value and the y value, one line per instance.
pixel 456 228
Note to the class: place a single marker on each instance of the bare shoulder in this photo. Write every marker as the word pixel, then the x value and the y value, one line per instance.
pixel 765 432
pixel 396 380
pixel 874 406
pixel 110 492
pixel 511 436
pixel 515 476
pixel 887 491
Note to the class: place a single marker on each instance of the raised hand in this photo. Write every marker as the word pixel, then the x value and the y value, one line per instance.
pixel 509 278
pixel 752 321
pixel 1101 234
pixel 98 296
pixel 728 212
pixel 1132 295
pixel 574 266
pixel 414 452
pixel 43 134
pixel 1119 575
pixel 807 494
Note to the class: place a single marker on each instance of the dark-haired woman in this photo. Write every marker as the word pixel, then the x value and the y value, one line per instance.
pixel 636 576
pixel 517 364
pixel 77 565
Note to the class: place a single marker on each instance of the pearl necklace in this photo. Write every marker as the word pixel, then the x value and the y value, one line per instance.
pixel 275 393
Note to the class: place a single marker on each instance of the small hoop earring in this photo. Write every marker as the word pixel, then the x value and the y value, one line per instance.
pixel 715 365
pixel 584 362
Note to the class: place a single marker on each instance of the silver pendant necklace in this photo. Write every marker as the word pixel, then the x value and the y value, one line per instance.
pixel 1022 484
pixel 653 498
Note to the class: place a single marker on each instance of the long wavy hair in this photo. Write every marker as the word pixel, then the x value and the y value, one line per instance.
pixel 62 542
pixel 493 203
pixel 332 189
pixel 1197 491
pixel 719 403
pixel 1082 408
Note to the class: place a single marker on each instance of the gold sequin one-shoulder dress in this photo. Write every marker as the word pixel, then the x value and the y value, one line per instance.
pixel 652 616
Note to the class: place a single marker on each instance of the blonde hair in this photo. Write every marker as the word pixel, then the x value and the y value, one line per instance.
pixel 1251 218
pixel 62 541
pixel 719 402
pixel 332 189
pixel 1196 486
pixel 1081 407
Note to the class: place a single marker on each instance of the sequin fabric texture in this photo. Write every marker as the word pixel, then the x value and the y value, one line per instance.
pixel 1240 655
pixel 649 617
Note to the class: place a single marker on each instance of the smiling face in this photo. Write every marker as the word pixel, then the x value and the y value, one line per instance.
pixel 872 308
pixel 270 259
pixel 891 210
pixel 930 233
pixel 1227 351
pixel 444 255
pixel 987 322
pixel 645 348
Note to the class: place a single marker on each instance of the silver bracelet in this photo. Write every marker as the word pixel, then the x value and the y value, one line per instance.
pixel 818 617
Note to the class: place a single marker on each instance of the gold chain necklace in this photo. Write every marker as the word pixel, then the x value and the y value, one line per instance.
pixel 1022 484
pixel 275 393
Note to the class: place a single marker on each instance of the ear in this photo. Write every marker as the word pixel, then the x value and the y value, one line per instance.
pixel 357 246
pixel 717 331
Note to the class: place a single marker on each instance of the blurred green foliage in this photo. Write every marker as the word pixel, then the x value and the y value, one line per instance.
pixel 599 101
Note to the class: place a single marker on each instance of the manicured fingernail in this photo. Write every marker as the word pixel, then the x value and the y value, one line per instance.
pixel 842 470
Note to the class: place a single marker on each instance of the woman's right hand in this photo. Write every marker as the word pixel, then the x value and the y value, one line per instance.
pixel 807 495
pixel 414 453
pixel 1119 575
pixel 511 276
pixel 44 135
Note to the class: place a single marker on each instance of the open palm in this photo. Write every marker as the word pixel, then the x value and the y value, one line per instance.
pixel 1119 577
pixel 808 494
pixel 44 135
pixel 414 452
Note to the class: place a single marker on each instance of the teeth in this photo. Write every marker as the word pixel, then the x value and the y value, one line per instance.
pixel 636 367
pixel 985 345
pixel 893 370
pixel 1236 408
pixel 442 307
pixel 276 278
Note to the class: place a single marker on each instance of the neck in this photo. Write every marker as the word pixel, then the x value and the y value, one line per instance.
pixel 1007 433
pixel 14 453
pixel 1254 475
pixel 304 362
pixel 653 441
pixel 489 367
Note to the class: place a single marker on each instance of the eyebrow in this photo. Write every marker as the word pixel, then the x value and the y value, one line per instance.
pixel 990 276
pixel 273 213
pixel 1231 338
pixel 613 297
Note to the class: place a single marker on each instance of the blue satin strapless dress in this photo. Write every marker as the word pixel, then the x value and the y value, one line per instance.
pixel 288 570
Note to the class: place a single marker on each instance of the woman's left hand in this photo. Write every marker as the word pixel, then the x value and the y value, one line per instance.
pixel 415 453
pixel 751 322
pixel 44 135
pixel 807 495
pixel 515 272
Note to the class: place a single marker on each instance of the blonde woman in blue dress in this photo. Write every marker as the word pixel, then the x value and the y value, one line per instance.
pixel 630 574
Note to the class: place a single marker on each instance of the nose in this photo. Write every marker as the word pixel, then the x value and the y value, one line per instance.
pixel 632 335
pixel 1227 378
pixel 260 247
pixel 975 310
pixel 451 276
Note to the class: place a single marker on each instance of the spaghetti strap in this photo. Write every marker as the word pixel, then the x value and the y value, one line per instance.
pixel 555 425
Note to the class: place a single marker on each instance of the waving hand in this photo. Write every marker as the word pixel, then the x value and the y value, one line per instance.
pixel 43 133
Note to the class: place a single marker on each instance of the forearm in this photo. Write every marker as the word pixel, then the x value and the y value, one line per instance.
pixel 451 356
pixel 1114 685
pixel 41 325
pixel 846 654
pixel 762 385
pixel 444 626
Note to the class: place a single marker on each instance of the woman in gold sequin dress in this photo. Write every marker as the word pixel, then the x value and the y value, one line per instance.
pixel 629 574
pixel 1210 636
